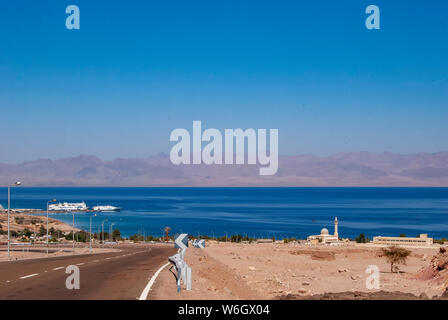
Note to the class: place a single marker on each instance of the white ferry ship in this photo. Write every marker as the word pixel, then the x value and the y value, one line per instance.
pixel 67 206
pixel 106 208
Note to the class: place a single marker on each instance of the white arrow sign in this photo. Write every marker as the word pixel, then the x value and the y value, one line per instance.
pixel 181 241
pixel 199 244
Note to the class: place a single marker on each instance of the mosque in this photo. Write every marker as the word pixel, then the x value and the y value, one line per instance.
pixel 325 237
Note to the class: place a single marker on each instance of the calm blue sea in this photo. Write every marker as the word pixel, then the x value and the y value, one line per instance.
pixel 259 212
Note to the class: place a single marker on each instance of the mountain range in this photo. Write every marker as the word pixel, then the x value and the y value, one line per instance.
pixel 342 169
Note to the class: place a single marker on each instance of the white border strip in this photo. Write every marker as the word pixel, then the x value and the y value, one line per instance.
pixel 29 276
pixel 145 291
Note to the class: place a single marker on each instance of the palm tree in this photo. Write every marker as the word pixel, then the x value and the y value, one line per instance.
pixel 394 255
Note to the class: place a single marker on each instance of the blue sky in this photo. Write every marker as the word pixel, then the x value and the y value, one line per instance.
pixel 136 70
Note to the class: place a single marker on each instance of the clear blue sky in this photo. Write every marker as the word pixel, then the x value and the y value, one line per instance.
pixel 138 69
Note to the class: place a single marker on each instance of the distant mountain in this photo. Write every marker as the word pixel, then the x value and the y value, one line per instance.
pixel 342 169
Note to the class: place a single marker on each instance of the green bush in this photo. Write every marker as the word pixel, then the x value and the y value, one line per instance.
pixel 362 238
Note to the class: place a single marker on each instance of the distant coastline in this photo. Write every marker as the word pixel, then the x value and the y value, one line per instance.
pixel 351 169
pixel 257 212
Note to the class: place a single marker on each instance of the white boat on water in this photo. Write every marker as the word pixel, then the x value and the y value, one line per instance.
pixel 67 206
pixel 106 208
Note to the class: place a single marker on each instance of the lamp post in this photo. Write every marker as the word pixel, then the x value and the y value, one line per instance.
pixel 73 233
pixel 144 234
pixel 102 231
pixel 110 231
pixel 48 202
pixel 17 183
pixel 90 233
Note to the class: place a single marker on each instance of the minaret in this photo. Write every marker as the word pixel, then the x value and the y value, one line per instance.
pixel 336 227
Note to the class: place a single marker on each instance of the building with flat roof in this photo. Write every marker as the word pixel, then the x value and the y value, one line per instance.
pixel 325 236
pixel 422 240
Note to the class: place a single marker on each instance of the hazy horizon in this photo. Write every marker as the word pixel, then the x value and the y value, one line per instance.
pixel 342 169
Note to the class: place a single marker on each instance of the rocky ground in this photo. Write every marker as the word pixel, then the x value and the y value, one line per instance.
pixel 293 271
pixel 19 221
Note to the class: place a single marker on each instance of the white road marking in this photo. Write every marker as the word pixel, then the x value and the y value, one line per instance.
pixel 58 268
pixel 80 264
pixel 145 291
pixel 29 276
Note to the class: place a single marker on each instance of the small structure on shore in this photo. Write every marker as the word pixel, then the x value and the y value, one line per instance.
pixel 421 240
pixel 325 237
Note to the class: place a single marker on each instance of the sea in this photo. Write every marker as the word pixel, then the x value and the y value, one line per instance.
pixel 255 212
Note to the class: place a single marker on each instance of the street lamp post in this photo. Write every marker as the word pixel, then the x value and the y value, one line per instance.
pixel 144 234
pixel 17 183
pixel 90 233
pixel 110 231
pixel 48 202
pixel 73 233
pixel 102 231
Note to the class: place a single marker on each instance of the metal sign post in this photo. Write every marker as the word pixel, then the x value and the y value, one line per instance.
pixel 183 271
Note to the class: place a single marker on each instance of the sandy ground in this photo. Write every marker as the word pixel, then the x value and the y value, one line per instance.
pixel 29 253
pixel 272 271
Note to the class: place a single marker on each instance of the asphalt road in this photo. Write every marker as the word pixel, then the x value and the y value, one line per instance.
pixel 114 275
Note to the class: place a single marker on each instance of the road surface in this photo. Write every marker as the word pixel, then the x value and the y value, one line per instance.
pixel 113 275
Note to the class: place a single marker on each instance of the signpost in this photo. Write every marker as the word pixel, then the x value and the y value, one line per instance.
pixel 183 271
pixel 181 241
pixel 199 244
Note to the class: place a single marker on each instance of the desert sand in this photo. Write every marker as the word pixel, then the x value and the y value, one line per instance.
pixel 297 271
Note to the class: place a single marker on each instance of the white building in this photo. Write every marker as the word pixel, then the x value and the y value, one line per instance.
pixel 422 240
pixel 325 237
